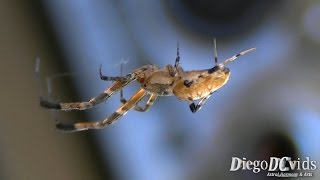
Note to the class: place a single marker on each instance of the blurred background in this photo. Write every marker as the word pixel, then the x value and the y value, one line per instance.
pixel 270 107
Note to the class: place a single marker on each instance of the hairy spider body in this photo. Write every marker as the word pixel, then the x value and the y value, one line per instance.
pixel 171 80
pixel 198 84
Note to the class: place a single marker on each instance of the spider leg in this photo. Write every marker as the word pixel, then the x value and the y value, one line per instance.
pixel 178 69
pixel 113 78
pixel 176 64
pixel 146 107
pixel 233 58
pixel 121 111
pixel 215 52
pixel 194 108
pixel 116 86
pixel 122 99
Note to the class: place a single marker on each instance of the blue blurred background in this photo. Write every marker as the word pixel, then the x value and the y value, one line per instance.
pixel 270 107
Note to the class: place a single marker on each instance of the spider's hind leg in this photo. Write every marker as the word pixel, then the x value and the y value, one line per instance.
pixel 194 108
pixel 146 107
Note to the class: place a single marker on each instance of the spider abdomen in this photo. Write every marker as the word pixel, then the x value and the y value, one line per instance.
pixel 201 87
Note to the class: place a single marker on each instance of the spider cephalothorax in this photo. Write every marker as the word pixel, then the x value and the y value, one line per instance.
pixel 160 81
pixel 171 80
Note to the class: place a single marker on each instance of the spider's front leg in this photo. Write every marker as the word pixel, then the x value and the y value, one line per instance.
pixel 116 86
pixel 119 83
pixel 114 78
pixel 121 111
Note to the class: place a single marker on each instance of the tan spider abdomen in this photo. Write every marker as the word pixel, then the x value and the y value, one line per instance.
pixel 204 85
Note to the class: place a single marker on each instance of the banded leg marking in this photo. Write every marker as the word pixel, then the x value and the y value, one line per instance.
pixel 114 78
pixel 194 108
pixel 122 110
pixel 233 58
pixel 146 107
pixel 116 86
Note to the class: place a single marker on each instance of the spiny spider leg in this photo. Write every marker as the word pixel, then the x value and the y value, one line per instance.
pixel 177 66
pixel 194 108
pixel 113 78
pixel 146 107
pixel 116 86
pixel 121 111
pixel 229 60
pixel 122 99
pixel 215 51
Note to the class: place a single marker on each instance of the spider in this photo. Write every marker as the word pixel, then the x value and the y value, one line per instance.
pixel 171 80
